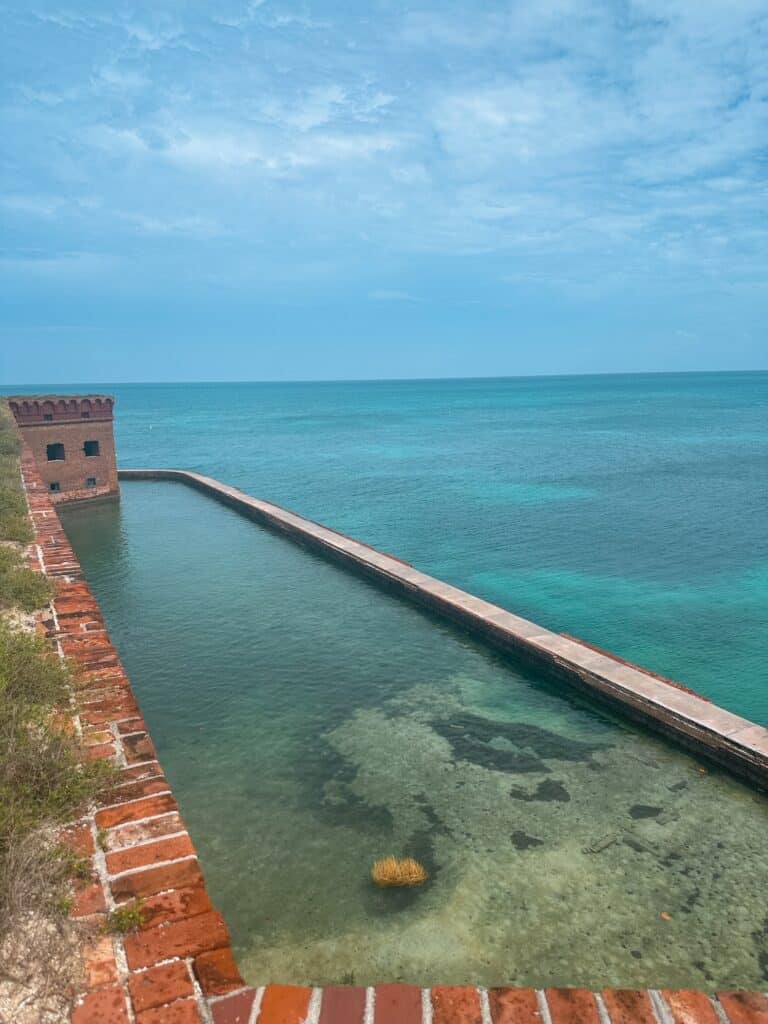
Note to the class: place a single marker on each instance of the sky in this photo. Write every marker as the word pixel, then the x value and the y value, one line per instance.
pixel 264 190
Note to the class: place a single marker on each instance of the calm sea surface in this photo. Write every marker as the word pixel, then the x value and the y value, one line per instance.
pixel 628 510
pixel 310 723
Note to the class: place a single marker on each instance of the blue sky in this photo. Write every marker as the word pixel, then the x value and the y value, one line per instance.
pixel 277 190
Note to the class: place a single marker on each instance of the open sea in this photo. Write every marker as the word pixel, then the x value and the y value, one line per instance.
pixel 310 723
pixel 628 510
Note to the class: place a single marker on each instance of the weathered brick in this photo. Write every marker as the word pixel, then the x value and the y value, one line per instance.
pixel 147 770
pixel 184 874
pixel 99 961
pixel 78 838
pixel 455 1005
pixel 100 752
pixel 93 737
pixel 235 1009
pixel 139 746
pixel 175 905
pixel 136 810
pixel 514 1006
pixel 107 1006
pixel 744 1007
pixel 88 899
pixel 150 853
pixel 284 1004
pixel 217 972
pixel 628 1006
pixel 689 1007
pixel 342 1005
pixel 184 1011
pixel 189 937
pixel 159 985
pixel 572 1006
pixel 123 836
pixel 140 789
pixel 397 1004
pixel 132 725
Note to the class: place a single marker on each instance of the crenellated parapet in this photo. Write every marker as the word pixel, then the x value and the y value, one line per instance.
pixel 33 409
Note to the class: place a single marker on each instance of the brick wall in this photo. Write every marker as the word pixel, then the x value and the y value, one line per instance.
pixel 178 968
pixel 71 423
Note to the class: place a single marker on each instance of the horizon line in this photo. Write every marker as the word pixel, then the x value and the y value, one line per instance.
pixel 393 380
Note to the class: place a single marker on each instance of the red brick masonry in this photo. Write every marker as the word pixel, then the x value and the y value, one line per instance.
pixel 178 968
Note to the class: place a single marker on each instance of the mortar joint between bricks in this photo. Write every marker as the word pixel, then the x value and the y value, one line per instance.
pixel 151 867
pixel 426 1006
pixel 256 1008
pixel 203 1006
pixel 485 1006
pixel 722 1016
pixel 370 1005
pixel 541 1000
pixel 143 821
pixel 138 843
pixel 123 974
pixel 136 799
pixel 100 865
pixel 602 1009
pixel 660 1009
pixel 119 758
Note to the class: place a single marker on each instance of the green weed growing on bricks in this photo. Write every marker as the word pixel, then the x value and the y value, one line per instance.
pixel 128 918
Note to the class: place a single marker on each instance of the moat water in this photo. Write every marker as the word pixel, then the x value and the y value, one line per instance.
pixel 310 724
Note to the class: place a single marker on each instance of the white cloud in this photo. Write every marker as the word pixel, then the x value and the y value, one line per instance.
pixel 621 139
pixel 208 148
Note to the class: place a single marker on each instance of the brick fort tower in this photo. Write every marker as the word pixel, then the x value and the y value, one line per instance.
pixel 72 441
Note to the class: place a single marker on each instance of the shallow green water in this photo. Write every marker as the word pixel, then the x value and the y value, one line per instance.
pixel 310 723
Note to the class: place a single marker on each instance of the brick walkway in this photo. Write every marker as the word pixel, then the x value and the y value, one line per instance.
pixel 178 968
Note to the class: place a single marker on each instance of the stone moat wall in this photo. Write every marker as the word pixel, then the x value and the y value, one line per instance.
pixel 676 712
pixel 178 967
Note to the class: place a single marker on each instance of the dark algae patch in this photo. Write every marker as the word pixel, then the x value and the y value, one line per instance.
pixel 327 791
pixel 639 811
pixel 522 841
pixel 509 746
pixel 549 790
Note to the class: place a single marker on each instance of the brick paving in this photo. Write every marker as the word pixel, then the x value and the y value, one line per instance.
pixel 178 968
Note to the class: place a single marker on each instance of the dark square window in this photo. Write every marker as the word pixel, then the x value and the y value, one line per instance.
pixel 91 447
pixel 55 452
pixel 55 486
pixel 90 481
pixel 85 415
pixel 48 416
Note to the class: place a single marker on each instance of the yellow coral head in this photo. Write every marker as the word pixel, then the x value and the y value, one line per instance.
pixel 405 871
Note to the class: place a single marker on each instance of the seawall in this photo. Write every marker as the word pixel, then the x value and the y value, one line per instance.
pixel 674 711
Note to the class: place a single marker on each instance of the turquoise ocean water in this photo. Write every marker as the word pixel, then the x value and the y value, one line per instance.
pixel 310 723
pixel 626 510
